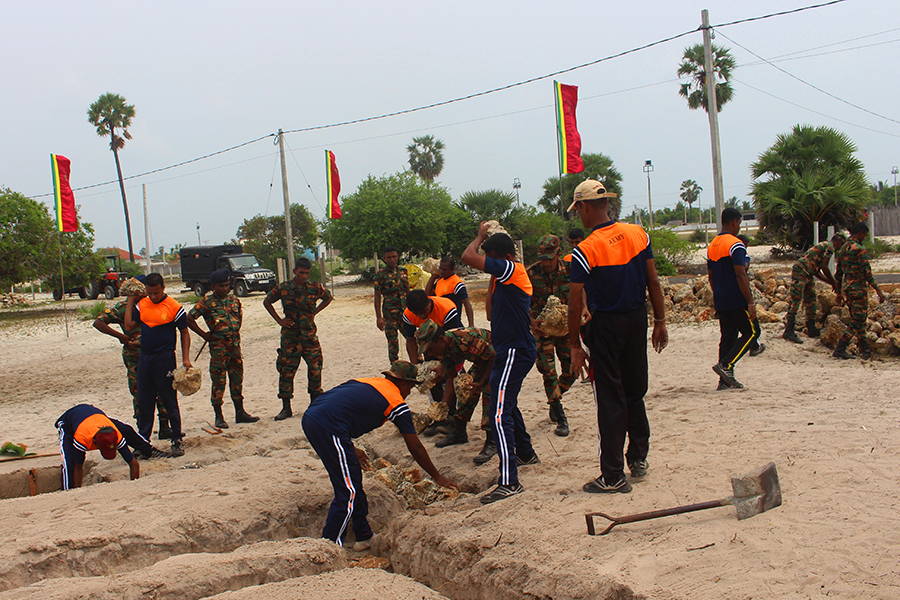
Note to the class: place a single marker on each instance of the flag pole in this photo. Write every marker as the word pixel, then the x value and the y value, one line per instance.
pixel 562 203
pixel 62 282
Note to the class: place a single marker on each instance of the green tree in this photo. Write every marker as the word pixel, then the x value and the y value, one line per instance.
pixel 690 193
pixel 530 224
pixel 883 194
pixel 426 157
pixel 810 174
pixel 488 205
pixel 108 114
pixel 400 210
pixel 596 166
pixel 693 67
pixel 264 236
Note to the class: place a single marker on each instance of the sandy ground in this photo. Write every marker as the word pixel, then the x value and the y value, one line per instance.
pixel 831 427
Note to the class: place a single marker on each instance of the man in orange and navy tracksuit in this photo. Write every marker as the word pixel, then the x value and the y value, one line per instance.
pixel 419 308
pixel 85 427
pixel 349 411
pixel 447 284
pixel 726 263
pixel 510 297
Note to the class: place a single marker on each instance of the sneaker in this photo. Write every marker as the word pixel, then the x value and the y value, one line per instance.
pixel 599 486
pixel 758 350
pixel 534 460
pixel 362 545
pixel 154 453
pixel 177 448
pixel 638 468
pixel 727 375
pixel 726 386
pixel 502 491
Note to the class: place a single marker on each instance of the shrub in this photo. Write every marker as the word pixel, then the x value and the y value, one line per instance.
pixel 89 313
pixel 665 242
pixel 663 266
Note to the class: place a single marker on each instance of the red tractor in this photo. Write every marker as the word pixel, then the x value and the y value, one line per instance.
pixel 108 284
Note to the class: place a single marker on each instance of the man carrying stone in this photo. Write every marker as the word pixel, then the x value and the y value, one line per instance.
pixel 550 277
pixel 812 265
pixel 301 300
pixel 391 287
pixel 853 277
pixel 223 314
pixel 615 263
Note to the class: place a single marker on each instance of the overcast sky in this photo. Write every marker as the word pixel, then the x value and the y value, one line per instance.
pixel 206 76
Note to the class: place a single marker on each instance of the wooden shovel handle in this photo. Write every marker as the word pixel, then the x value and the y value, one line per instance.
pixel 654 514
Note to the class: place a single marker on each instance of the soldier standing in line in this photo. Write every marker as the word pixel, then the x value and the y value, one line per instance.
pixel 855 274
pixel 550 277
pixel 813 264
pixel 131 354
pixel 391 287
pixel 301 301
pixel 223 315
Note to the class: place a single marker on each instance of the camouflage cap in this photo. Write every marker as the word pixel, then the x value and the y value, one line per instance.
pixel 426 334
pixel 405 371
pixel 106 439
pixel 548 247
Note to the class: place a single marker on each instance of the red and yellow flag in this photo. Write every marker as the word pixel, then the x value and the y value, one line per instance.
pixel 64 199
pixel 334 185
pixel 566 99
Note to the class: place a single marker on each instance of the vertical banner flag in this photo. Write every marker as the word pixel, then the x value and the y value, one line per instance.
pixel 569 140
pixel 334 185
pixel 64 199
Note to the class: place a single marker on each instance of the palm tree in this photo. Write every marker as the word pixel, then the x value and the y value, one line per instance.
pixel 489 205
pixel 109 113
pixel 426 157
pixel 690 193
pixel 808 175
pixel 596 166
pixel 693 66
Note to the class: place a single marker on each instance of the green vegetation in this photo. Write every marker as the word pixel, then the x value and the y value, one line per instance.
pixel 666 244
pixel 89 313
pixel 426 157
pixel 693 66
pixel 264 237
pixel 596 166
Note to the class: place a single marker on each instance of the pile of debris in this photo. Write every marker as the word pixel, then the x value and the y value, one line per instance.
pixel 437 412
pixel 692 302
pixel 418 491
pixel 10 299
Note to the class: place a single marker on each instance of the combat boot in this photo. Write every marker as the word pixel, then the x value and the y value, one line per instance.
pixel 562 423
pixel 165 432
pixel 789 333
pixel 220 420
pixel 811 329
pixel 285 410
pixel 457 436
pixel 313 396
pixel 488 451
pixel 864 350
pixel 841 350
pixel 242 416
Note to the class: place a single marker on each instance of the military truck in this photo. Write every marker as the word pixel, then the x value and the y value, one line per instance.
pixel 198 263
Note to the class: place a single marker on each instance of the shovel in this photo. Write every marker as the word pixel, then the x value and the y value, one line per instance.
pixel 753 493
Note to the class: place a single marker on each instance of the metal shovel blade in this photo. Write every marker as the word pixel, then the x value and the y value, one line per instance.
pixel 753 493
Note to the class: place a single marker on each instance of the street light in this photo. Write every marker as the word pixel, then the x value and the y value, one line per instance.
pixel 516 185
pixel 199 243
pixel 894 171
pixel 648 168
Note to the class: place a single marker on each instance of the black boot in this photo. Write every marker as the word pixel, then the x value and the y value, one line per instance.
pixel 562 423
pixel 314 395
pixel 488 451
pixel 457 436
pixel 285 410
pixel 864 350
pixel 242 416
pixel 165 432
pixel 811 329
pixel 220 420
pixel 789 333
pixel 552 413
pixel 841 350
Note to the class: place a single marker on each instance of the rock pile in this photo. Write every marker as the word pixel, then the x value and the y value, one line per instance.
pixel 692 302
pixel 10 299
pixel 418 491
pixel 554 318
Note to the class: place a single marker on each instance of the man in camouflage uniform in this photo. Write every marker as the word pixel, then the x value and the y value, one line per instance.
pixel 391 286
pixel 452 348
pixel 855 274
pixel 299 298
pixel 813 264
pixel 550 277
pixel 223 315
pixel 131 353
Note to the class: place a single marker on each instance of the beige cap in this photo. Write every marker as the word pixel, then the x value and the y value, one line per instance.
pixel 590 189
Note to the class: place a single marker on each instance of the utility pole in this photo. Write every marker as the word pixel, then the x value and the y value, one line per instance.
pixel 648 168
pixel 518 184
pixel 289 237
pixel 199 243
pixel 713 113
pixel 146 230
pixel 894 171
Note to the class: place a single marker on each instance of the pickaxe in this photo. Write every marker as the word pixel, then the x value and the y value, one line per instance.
pixel 753 494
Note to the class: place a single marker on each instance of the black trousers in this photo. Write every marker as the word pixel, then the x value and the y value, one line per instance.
pixel 618 346
pixel 738 333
